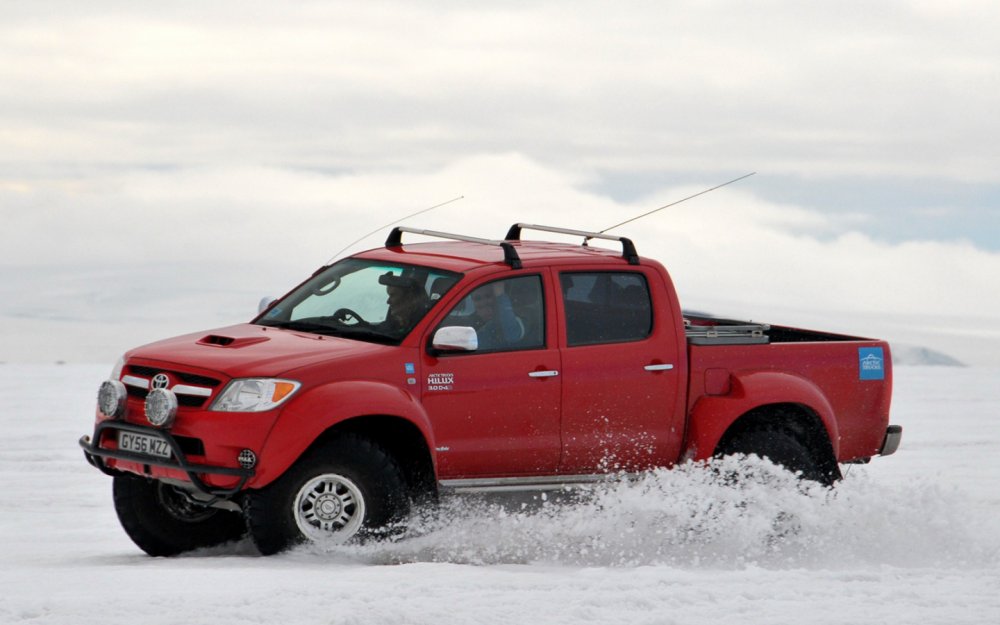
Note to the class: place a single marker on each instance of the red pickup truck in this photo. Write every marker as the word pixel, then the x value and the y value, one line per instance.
pixel 456 365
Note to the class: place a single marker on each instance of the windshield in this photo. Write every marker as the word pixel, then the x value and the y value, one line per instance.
pixel 362 299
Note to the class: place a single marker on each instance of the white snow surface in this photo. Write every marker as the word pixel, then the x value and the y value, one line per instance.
pixel 912 538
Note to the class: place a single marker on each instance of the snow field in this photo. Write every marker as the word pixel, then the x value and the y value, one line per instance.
pixel 913 538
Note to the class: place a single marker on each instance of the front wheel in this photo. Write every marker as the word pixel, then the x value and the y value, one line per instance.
pixel 347 489
pixel 164 521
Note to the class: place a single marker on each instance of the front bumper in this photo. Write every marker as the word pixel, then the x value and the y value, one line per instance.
pixel 96 456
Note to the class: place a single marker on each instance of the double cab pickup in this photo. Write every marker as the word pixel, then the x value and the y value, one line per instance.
pixel 461 364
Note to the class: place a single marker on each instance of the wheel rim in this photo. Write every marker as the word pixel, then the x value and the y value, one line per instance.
pixel 329 508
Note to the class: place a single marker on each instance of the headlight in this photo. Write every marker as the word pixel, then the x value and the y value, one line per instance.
pixel 254 395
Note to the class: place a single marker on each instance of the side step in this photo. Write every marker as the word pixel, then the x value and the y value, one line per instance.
pixel 523 484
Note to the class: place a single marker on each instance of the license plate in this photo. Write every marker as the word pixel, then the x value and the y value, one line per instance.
pixel 143 444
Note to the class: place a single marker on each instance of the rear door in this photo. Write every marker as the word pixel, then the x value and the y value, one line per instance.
pixel 621 372
pixel 496 410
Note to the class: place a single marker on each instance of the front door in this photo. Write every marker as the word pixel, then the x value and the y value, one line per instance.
pixel 496 410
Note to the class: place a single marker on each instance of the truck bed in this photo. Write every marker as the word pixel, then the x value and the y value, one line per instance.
pixel 705 330
pixel 846 380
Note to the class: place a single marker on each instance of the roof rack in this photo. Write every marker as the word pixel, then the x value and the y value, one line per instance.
pixel 510 256
pixel 628 248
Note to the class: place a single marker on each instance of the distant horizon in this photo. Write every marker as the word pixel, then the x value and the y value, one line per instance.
pixel 93 315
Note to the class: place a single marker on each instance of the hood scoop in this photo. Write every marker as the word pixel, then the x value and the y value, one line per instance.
pixel 215 340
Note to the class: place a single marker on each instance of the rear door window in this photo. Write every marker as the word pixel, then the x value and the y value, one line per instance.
pixel 605 307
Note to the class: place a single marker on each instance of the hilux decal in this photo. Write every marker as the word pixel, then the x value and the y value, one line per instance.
pixel 440 381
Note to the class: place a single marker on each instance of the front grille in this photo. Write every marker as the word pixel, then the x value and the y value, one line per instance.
pixel 191 401
pixel 184 399
pixel 186 378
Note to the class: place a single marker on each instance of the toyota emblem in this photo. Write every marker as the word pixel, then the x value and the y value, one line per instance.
pixel 160 380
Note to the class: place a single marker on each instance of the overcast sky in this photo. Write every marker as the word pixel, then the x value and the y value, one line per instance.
pixel 267 136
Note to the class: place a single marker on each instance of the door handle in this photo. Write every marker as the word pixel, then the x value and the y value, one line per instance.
pixel 543 374
pixel 658 367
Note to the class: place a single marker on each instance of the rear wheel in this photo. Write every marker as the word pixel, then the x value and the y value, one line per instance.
pixel 783 448
pixel 347 489
pixel 164 521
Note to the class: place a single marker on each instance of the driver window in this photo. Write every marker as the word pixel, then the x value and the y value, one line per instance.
pixel 507 314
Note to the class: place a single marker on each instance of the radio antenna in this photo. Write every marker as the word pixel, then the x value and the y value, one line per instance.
pixel 381 228
pixel 628 221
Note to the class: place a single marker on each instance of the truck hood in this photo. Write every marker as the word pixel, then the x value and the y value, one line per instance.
pixel 248 350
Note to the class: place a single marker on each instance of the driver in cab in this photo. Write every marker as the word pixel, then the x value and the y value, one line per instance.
pixel 407 302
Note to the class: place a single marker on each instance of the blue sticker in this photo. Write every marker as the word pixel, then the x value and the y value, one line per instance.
pixel 871 362
pixel 410 369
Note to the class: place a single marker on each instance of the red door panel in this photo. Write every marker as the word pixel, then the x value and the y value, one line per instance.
pixel 620 393
pixel 490 417
pixel 496 412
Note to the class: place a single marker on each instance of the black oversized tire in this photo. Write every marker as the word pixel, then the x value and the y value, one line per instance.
pixel 345 490
pixel 783 448
pixel 162 522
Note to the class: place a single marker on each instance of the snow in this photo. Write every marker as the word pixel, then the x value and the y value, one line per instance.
pixel 913 538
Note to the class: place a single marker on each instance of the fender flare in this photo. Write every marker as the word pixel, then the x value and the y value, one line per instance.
pixel 712 416
pixel 310 415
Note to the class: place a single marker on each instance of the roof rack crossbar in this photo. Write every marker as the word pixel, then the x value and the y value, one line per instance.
pixel 628 248
pixel 510 256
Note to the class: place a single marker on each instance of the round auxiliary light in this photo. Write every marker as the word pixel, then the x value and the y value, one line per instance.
pixel 111 398
pixel 247 459
pixel 161 407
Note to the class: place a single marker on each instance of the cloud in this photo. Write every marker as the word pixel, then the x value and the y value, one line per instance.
pixel 728 251
pixel 134 133
pixel 896 89
pixel 213 213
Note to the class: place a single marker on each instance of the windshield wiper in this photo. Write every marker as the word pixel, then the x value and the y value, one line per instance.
pixel 368 334
pixel 315 327
pixel 303 326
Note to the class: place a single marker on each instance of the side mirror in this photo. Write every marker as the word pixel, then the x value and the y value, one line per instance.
pixel 455 339
pixel 265 303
